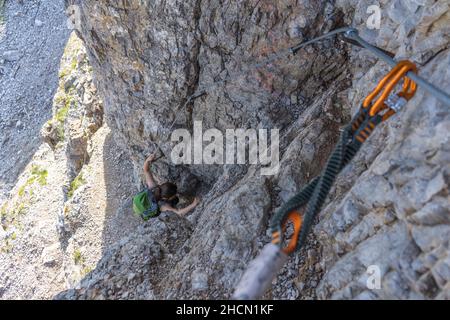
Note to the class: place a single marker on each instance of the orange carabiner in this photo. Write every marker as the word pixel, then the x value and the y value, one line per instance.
pixel 296 219
pixel 388 83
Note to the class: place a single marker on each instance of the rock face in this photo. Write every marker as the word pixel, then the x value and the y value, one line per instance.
pixel 28 79
pixel 78 113
pixel 388 210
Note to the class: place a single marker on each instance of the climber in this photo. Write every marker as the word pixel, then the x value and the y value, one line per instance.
pixel 158 198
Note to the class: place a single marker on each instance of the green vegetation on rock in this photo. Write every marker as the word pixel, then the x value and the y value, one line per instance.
pixel 63 102
pixel 75 184
pixel 61 114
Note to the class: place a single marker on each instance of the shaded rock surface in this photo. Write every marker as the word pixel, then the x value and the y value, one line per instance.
pixel 52 225
pixel 388 208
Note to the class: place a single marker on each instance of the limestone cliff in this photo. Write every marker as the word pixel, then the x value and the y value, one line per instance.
pixel 390 206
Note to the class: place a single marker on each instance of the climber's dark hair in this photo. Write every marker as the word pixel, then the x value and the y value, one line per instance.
pixel 165 191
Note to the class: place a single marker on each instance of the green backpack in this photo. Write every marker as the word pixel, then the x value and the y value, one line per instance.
pixel 145 205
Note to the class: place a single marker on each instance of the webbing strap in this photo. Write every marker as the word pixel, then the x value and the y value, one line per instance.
pixel 314 194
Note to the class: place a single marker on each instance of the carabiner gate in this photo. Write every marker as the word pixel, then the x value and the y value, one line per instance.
pixel 387 99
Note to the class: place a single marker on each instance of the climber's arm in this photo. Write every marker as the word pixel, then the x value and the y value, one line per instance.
pixel 180 212
pixel 151 183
